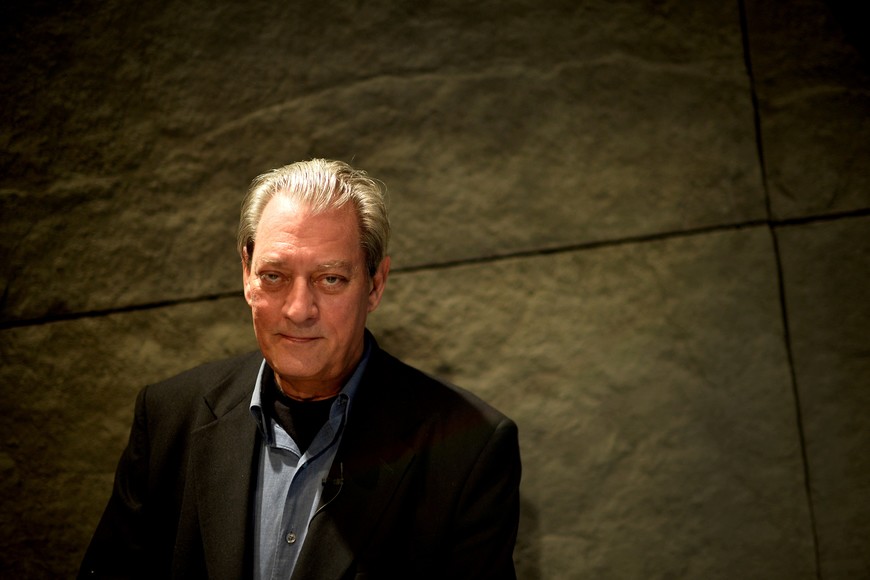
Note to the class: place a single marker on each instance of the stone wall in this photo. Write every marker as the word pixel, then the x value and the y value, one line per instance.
pixel 640 228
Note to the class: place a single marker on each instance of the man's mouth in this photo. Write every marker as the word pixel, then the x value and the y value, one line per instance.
pixel 297 339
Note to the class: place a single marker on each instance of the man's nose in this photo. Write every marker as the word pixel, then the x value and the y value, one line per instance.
pixel 301 304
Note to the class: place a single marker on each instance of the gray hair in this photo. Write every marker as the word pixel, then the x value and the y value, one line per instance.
pixel 321 185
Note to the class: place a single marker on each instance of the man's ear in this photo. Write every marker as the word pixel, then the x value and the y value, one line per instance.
pixel 379 282
pixel 246 274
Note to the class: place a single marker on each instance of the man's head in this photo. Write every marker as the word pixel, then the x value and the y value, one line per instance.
pixel 313 238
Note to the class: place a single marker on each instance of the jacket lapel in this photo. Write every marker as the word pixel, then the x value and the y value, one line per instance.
pixel 223 457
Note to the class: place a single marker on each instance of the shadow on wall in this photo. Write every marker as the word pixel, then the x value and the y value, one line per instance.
pixel 527 554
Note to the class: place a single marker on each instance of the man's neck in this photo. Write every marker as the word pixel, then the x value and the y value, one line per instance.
pixel 304 393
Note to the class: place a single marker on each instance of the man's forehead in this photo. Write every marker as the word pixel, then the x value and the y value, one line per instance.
pixel 282 210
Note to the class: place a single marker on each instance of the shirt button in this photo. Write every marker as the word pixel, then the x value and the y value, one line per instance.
pixel 291 538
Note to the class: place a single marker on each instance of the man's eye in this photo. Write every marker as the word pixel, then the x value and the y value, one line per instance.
pixel 332 281
pixel 270 278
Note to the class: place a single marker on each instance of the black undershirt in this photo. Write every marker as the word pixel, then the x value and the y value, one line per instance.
pixel 301 420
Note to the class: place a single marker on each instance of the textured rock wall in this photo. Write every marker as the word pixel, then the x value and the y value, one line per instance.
pixel 642 229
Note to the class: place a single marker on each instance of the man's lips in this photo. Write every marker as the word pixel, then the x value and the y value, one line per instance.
pixel 297 339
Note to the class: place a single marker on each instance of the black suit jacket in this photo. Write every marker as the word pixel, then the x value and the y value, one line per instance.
pixel 429 483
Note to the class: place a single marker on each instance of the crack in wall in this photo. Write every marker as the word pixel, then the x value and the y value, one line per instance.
pixel 759 143
pixel 772 225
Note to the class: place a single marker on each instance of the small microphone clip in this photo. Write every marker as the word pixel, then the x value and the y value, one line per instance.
pixel 339 481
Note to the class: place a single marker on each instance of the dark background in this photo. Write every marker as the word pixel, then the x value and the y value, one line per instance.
pixel 640 228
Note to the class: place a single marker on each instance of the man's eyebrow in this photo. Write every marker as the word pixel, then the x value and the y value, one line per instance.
pixel 336 265
pixel 328 265
pixel 281 263
pixel 269 261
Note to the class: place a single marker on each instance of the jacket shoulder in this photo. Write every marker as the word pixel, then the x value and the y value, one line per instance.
pixel 220 383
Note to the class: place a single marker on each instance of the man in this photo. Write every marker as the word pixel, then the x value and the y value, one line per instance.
pixel 320 456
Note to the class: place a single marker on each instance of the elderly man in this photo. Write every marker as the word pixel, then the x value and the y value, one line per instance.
pixel 320 456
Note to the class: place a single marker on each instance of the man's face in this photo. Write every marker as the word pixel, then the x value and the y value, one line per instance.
pixel 310 294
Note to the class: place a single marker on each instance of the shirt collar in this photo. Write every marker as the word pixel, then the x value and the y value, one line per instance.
pixel 347 393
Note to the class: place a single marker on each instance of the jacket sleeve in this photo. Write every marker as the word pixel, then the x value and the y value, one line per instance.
pixel 118 547
pixel 488 515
